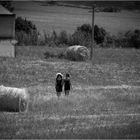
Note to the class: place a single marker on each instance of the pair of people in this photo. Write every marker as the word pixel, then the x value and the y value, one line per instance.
pixel 60 82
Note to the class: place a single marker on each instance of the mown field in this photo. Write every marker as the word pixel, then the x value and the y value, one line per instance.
pixel 104 101
pixel 58 18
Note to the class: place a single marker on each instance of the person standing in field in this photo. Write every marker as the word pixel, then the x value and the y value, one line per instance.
pixel 59 84
pixel 67 84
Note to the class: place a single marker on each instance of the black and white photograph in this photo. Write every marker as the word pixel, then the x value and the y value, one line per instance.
pixel 69 69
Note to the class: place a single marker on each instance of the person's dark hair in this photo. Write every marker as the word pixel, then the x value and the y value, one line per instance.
pixel 67 75
pixel 58 76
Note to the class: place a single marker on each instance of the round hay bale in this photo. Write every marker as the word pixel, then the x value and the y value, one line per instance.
pixel 13 99
pixel 77 53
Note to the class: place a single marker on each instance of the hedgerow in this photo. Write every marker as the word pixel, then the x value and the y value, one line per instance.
pixel 27 34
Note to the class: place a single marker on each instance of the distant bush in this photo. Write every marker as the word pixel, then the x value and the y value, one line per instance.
pixel 130 39
pixel 7 5
pixel 24 25
pixel 85 28
pixel 110 9
pixel 56 39
pixel 83 34
pixel 80 38
pixel 51 2
pixel 107 9
pixel 133 39
pixel 26 32
pixel 27 39
pixel 109 41
pixel 99 34
pixel 63 38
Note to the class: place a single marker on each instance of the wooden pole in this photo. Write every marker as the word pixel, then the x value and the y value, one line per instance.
pixel 92 39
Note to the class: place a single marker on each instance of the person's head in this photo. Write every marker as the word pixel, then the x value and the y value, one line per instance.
pixel 59 76
pixel 67 76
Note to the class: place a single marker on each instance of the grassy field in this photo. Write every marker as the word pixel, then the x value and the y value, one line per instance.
pixel 58 18
pixel 104 101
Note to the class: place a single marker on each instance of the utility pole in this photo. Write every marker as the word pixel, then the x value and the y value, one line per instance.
pixel 92 39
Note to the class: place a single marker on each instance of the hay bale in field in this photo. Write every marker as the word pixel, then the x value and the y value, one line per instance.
pixel 77 53
pixel 13 99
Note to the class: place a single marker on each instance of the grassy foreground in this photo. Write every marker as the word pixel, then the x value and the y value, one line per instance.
pixel 98 106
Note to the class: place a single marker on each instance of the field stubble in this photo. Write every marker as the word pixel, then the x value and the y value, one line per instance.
pixel 104 101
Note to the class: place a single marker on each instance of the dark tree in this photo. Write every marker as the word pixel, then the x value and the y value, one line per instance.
pixel 7 5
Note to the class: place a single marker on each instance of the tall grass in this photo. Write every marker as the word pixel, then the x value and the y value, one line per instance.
pixel 27 39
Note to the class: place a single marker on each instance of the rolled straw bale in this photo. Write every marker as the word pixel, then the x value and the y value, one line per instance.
pixel 77 53
pixel 13 99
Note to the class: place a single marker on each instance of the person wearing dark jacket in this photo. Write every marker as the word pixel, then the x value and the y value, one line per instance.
pixel 67 84
pixel 59 84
